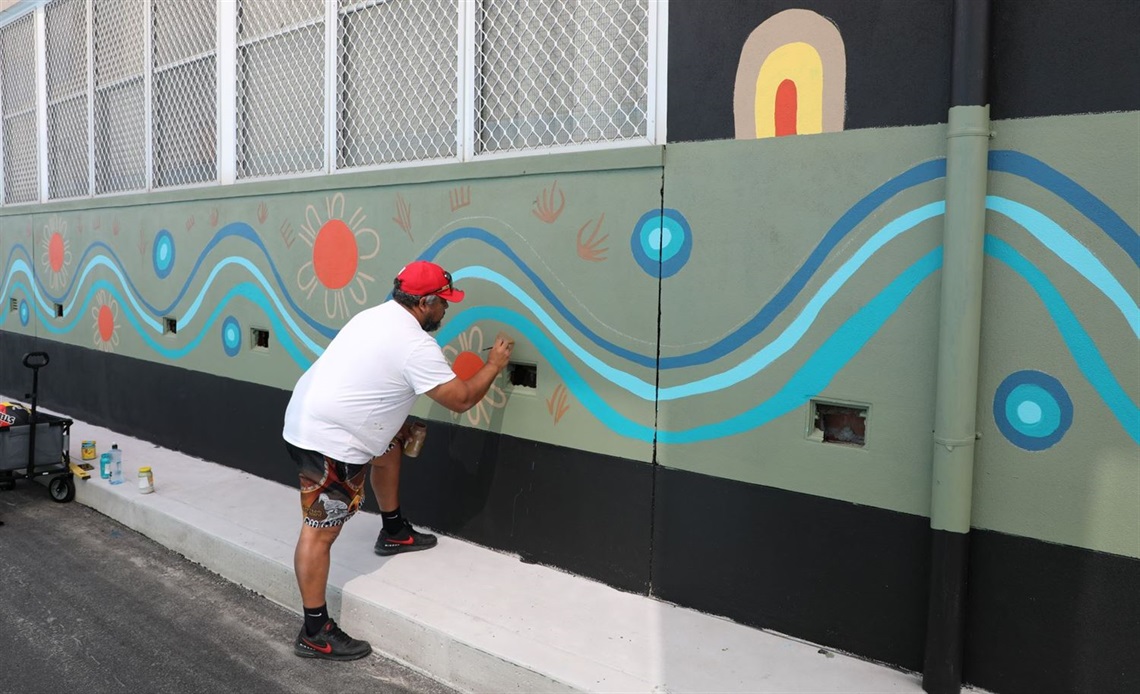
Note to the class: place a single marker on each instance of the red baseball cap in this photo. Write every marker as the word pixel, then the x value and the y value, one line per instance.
pixel 422 278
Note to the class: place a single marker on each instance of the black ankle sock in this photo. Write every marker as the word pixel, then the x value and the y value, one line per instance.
pixel 393 521
pixel 315 619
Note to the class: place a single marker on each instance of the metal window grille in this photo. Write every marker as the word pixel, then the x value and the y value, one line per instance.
pixel 390 81
pixel 559 72
pixel 18 110
pixel 120 101
pixel 280 87
pixel 184 97
pixel 66 28
pixel 397 69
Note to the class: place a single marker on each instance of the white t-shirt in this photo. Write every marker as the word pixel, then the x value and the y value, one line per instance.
pixel 353 400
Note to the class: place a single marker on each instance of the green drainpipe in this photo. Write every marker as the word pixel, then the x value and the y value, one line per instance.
pixel 955 413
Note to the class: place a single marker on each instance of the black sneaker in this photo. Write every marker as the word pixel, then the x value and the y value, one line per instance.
pixel 407 540
pixel 330 643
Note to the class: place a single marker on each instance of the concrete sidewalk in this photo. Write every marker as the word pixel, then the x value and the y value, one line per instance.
pixel 476 619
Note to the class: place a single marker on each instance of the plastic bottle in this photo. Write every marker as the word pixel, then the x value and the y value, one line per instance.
pixel 116 464
pixel 105 466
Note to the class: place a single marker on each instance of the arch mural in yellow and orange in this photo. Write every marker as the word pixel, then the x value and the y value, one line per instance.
pixel 791 78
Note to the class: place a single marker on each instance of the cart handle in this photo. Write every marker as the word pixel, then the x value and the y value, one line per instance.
pixel 36 360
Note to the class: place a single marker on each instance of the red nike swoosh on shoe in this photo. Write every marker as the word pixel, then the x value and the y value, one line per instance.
pixel 326 649
pixel 409 541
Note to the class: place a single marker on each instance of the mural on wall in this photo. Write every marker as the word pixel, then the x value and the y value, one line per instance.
pixel 101 299
pixel 791 78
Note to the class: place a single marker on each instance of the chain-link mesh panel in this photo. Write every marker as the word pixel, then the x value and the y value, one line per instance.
pixel 18 95
pixel 397 94
pixel 184 100
pixel 66 23
pixel 280 87
pixel 120 104
pixel 560 72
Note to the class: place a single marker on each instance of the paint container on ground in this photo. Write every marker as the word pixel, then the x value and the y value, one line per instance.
pixel 105 466
pixel 87 450
pixel 415 442
pixel 146 480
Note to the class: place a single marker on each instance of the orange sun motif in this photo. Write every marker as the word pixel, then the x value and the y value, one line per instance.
pixel 105 314
pixel 338 249
pixel 56 255
pixel 465 361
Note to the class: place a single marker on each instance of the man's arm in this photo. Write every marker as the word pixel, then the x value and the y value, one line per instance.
pixel 458 395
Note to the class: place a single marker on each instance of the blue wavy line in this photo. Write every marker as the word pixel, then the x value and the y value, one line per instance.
pixel 812 377
pixel 751 365
pixel 1081 346
pixel 238 229
pixel 1019 164
pixel 927 171
pixel 243 290
pixel 1072 252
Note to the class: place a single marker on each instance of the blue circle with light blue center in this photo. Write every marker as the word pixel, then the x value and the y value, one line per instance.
pixel 1033 410
pixel 25 312
pixel 231 336
pixel 163 255
pixel 662 240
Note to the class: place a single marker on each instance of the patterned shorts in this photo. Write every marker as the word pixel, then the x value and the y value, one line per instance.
pixel 331 491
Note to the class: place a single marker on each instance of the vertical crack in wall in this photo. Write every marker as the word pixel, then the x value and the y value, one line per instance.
pixel 656 389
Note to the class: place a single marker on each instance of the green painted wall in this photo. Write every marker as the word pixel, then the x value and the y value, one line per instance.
pixel 786 235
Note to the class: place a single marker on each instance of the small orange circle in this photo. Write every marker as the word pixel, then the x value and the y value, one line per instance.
pixel 335 254
pixel 106 323
pixel 55 252
pixel 466 365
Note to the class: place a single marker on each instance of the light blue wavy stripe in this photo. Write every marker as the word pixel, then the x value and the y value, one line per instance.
pixel 624 380
pixel 103 261
pixel 1072 252
pixel 244 290
pixel 812 377
pixel 242 262
pixel 795 331
pixel 1081 346
pixel 746 369
pixel 10 283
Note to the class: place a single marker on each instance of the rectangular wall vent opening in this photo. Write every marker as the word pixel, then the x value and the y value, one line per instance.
pixel 13 305
pixel 170 325
pixel 259 338
pixel 840 423
pixel 59 310
pixel 523 375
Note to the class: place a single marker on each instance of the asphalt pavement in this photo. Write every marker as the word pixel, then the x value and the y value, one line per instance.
pixel 89 605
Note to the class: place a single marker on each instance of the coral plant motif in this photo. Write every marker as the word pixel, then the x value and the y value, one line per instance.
pixel 142 243
pixel 403 215
pixel 544 207
pixel 459 197
pixel 339 251
pixel 262 213
pixel 55 258
pixel 465 362
pixel 189 223
pixel 588 249
pixel 214 217
pixel 557 405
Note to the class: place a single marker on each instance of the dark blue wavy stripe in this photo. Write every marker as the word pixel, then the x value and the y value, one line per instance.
pixel 238 229
pixel 1008 161
pixel 927 171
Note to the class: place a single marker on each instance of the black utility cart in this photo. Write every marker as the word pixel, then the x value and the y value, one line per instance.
pixel 38 448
